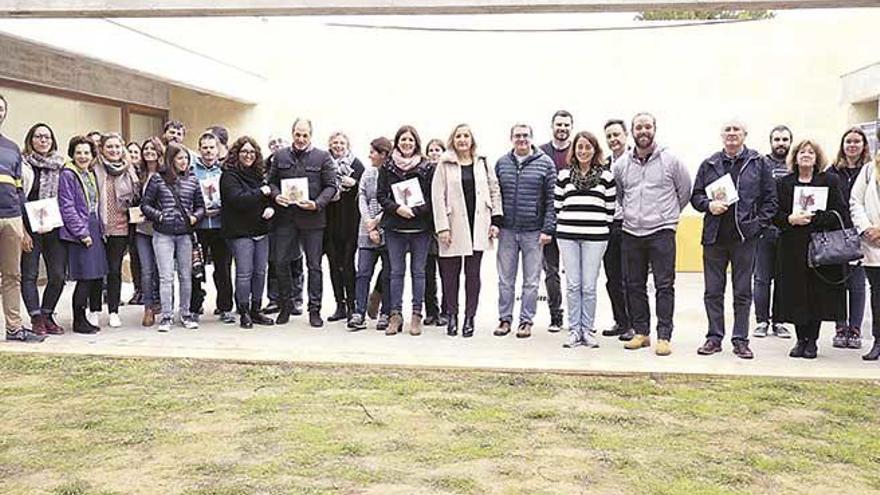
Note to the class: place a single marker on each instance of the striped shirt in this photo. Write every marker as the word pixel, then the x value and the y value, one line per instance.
pixel 584 215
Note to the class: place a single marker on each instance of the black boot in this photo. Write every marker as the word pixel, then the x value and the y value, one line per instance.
pixel 340 312
pixel 452 326
pixel 798 350
pixel 259 318
pixel 467 330
pixel 283 314
pixel 81 324
pixel 874 353
pixel 811 350
pixel 245 321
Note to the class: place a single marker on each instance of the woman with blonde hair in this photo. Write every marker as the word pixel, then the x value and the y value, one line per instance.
pixel 865 207
pixel 466 202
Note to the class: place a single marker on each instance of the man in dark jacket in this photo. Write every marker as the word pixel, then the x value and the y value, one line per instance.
pixel 737 193
pixel 11 234
pixel 527 177
pixel 301 220
pixel 557 149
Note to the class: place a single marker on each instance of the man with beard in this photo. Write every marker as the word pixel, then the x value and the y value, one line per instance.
pixel 616 137
pixel 301 220
pixel 557 149
pixel 653 187
pixel 765 257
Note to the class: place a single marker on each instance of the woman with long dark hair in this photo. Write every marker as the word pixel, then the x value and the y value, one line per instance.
pixel 404 191
pixel 41 170
pixel 245 226
pixel 79 202
pixel 135 157
pixel 173 202
pixel 153 154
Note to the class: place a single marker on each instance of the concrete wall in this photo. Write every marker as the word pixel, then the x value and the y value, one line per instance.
pixel 198 111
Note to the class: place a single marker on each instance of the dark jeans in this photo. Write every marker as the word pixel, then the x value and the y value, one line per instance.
pixel 294 274
pixel 149 270
pixel 809 331
pixel 116 247
pixel 87 293
pixel 765 272
pixel 366 266
pixel 400 243
pixel 134 259
pixel 340 255
pixel 656 250
pixel 450 274
pixel 51 248
pixel 873 274
pixel 432 308
pixel 251 261
pixel 716 258
pixel 312 241
pixel 616 277
pixel 855 289
pixel 551 278
pixel 215 248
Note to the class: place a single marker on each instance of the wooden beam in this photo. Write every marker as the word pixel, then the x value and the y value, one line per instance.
pixel 191 8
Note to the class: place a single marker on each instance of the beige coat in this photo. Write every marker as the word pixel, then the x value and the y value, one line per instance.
pixel 864 207
pixel 450 211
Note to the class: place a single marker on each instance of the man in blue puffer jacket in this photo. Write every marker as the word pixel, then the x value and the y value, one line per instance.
pixel 527 177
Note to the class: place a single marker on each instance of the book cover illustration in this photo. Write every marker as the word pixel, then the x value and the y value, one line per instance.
pixel 408 193
pixel 724 190
pixel 295 189
pixel 809 199
pixel 43 215
pixel 211 192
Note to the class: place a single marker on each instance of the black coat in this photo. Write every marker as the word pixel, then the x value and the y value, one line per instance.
pixel 801 295
pixel 313 164
pixel 343 215
pixel 243 204
pixel 389 175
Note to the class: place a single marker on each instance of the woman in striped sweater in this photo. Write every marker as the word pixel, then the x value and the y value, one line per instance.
pixel 584 202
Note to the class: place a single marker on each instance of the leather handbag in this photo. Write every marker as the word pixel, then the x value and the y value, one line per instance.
pixel 198 254
pixel 834 247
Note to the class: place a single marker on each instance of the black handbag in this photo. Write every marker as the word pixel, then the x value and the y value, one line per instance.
pixel 198 255
pixel 834 247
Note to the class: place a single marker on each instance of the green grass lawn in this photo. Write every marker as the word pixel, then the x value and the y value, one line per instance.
pixel 83 425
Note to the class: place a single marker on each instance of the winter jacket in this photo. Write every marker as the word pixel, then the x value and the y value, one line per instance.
pixel 389 175
pixel 864 205
pixel 755 186
pixel 11 195
pixel 243 204
pixel 317 166
pixel 203 172
pixel 527 192
pixel 450 210
pixel 160 208
pixel 652 195
pixel 73 205
pixel 343 216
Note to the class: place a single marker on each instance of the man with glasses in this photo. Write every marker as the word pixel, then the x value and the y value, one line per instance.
pixel 527 177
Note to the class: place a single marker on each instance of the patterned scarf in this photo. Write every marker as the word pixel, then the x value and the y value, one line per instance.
pixel 584 181
pixel 114 169
pixel 405 164
pixel 343 168
pixel 50 170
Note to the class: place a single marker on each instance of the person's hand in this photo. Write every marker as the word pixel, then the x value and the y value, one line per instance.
pixel 27 244
pixel 545 239
pixel 405 212
pixel 375 237
pixel 266 190
pixel 800 218
pixel 308 205
pixel 87 241
pixel 193 220
pixel 717 208
pixel 493 232
pixel 347 181
pixel 268 213
pixel 445 237
pixel 872 235
pixel 283 201
pixel 372 223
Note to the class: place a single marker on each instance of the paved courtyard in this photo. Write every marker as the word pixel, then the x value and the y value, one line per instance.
pixel 335 344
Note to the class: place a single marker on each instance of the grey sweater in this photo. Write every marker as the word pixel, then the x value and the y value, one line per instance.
pixel 369 206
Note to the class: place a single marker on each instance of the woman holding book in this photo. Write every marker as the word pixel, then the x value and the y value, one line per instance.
pixel 152 153
pixel 404 191
pixel 466 199
pixel 118 191
pixel 173 202
pixel 809 201
pixel 78 200
pixel 41 171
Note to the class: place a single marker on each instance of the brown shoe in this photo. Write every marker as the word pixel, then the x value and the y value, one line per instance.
pixel 415 324
pixel 52 328
pixel 373 303
pixel 524 331
pixel 38 322
pixel 742 350
pixel 149 317
pixel 710 347
pixel 503 329
pixel 395 322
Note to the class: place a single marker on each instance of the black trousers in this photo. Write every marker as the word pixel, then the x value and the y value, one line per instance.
pixel 432 307
pixel 808 331
pixel 134 261
pixel 312 241
pixel 340 255
pixel 87 293
pixel 616 277
pixel 873 274
pixel 215 248
pixel 450 275
pixel 551 278
pixel 116 247
pixel 656 250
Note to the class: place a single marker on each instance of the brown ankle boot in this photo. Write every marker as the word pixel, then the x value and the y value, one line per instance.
pixel 149 317
pixel 415 325
pixel 395 323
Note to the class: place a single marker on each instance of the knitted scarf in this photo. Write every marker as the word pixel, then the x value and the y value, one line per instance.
pixel 114 169
pixel 405 164
pixel 343 168
pixel 50 170
pixel 584 181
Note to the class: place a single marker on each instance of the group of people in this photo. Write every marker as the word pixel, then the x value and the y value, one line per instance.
pixel 560 205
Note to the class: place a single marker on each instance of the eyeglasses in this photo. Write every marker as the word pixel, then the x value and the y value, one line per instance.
pixel 521 136
pixel 42 136
pixel 247 152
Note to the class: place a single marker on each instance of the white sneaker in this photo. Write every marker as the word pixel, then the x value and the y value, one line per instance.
pixel 165 325
pixel 114 321
pixel 190 323
pixel 92 318
pixel 574 339
pixel 590 340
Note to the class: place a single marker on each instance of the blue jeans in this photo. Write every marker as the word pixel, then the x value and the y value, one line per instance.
pixel 582 261
pixel 251 261
pixel 366 265
pixel 149 270
pixel 51 248
pixel 398 244
pixel 510 244
pixel 168 249
pixel 765 272
pixel 855 288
